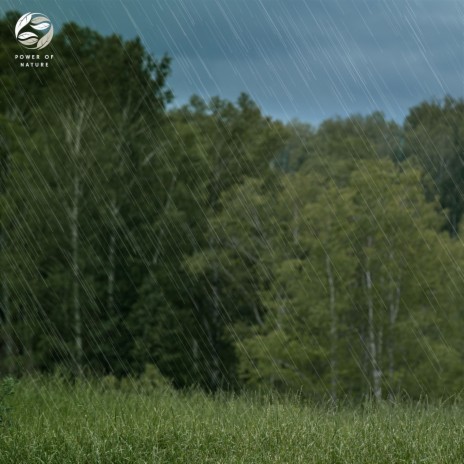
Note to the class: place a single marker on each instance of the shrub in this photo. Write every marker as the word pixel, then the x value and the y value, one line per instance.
pixel 6 390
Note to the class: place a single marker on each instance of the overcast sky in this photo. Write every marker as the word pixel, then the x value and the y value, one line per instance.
pixel 305 59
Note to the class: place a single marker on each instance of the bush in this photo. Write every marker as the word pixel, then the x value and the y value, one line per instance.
pixel 151 379
pixel 6 390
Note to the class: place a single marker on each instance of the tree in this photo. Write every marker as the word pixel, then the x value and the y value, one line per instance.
pixel 434 137
pixel 352 276
pixel 239 143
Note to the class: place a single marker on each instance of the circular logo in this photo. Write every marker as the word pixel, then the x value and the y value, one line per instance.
pixel 34 31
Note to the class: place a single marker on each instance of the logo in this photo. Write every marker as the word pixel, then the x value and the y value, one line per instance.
pixel 34 31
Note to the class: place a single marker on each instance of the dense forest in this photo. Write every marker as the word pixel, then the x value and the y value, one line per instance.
pixel 218 246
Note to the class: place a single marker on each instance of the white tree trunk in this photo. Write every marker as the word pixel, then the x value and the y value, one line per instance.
pixel 195 357
pixel 215 297
pixel 393 314
pixel 215 367
pixel 372 345
pixel 74 222
pixel 73 125
pixel 111 271
pixel 333 330
pixel 7 338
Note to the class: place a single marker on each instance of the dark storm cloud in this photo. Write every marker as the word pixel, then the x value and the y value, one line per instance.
pixel 307 59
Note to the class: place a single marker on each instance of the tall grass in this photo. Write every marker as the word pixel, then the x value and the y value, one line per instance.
pixel 54 422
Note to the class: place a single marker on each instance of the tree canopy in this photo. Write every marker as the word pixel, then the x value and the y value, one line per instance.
pixel 227 249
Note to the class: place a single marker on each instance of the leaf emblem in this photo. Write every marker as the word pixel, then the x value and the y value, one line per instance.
pixel 23 21
pixel 38 22
pixel 41 26
pixel 45 40
pixel 30 41
pixel 27 35
pixel 39 19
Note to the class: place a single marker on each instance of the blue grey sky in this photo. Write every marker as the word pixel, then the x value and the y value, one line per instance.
pixel 309 60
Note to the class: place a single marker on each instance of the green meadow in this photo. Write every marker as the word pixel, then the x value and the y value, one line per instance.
pixel 51 421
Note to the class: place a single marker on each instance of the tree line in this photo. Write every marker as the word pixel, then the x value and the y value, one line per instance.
pixel 226 248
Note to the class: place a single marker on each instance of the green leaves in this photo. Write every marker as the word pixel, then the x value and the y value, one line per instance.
pixel 325 238
pixel 7 387
pixel 217 245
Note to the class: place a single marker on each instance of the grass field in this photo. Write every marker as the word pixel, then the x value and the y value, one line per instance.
pixel 52 422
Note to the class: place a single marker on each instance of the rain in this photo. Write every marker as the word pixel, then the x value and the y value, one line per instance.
pixel 230 231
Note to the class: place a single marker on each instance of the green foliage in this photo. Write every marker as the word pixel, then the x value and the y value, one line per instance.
pixel 317 321
pixel 148 382
pixel 7 388
pixel 227 249
pixel 434 139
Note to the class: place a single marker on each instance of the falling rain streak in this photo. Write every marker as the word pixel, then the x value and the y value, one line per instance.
pixel 238 197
